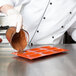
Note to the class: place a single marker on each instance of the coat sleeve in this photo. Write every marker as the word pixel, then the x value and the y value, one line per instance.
pixel 3 2
pixel 72 31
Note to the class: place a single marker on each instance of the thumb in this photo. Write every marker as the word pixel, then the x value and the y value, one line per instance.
pixel 19 23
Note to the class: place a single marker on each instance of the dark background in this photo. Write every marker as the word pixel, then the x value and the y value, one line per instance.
pixel 68 39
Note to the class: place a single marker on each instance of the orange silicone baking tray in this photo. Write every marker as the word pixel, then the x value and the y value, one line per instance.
pixel 39 52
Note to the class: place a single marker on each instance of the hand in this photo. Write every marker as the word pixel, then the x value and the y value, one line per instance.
pixel 14 18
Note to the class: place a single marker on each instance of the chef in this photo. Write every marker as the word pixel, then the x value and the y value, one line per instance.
pixel 46 21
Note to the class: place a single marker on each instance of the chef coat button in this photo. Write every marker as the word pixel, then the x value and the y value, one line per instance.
pixel 37 30
pixel 44 18
pixel 50 3
pixel 62 26
pixel 70 12
pixel 52 36
pixel 31 44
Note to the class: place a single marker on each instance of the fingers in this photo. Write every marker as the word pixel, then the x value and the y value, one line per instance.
pixel 19 23
pixel 11 20
pixel 15 20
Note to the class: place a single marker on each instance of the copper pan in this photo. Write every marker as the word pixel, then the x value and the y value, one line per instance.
pixel 17 40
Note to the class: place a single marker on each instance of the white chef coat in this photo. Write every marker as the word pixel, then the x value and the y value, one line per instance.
pixel 46 20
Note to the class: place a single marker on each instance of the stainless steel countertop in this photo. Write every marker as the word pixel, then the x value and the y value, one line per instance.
pixel 63 64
